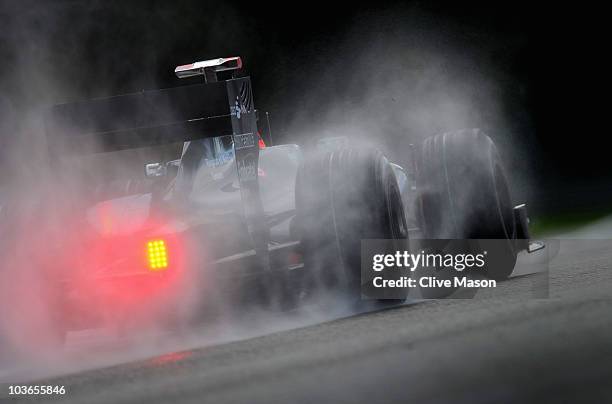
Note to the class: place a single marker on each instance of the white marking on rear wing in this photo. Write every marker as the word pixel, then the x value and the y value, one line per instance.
pixel 212 65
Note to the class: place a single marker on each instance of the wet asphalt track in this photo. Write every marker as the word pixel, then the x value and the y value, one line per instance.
pixel 506 345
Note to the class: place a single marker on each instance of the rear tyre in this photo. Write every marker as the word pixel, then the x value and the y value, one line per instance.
pixel 465 194
pixel 342 197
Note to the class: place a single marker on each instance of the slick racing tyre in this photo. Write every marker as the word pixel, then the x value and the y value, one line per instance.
pixel 343 197
pixel 464 194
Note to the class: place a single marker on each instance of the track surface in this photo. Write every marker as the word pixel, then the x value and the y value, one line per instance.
pixel 503 346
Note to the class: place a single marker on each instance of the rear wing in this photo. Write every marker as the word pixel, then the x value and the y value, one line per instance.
pixel 159 117
pixel 152 118
pixel 209 68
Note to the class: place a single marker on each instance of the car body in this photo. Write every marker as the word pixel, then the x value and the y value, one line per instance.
pixel 216 224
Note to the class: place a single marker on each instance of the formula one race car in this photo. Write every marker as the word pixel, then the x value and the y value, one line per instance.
pixel 235 219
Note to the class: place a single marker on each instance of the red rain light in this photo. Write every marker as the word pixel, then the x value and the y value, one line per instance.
pixel 158 255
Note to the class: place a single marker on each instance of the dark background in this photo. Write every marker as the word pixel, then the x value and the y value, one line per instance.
pixel 300 55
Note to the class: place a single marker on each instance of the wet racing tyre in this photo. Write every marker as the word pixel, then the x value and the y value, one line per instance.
pixel 464 194
pixel 343 197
